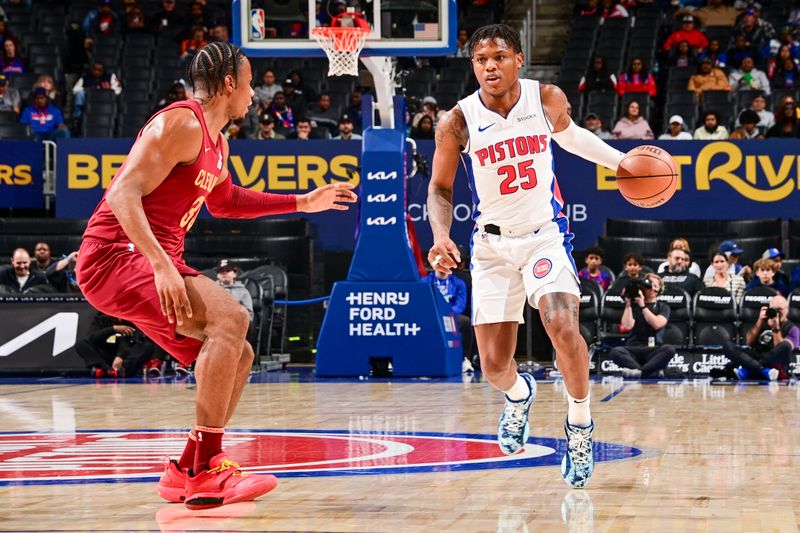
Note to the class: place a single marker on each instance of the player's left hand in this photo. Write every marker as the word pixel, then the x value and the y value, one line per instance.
pixel 330 196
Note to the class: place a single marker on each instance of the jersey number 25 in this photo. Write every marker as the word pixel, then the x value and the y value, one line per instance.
pixel 524 171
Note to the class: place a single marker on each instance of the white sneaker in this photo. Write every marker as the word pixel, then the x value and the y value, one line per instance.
pixel 466 367
pixel 773 374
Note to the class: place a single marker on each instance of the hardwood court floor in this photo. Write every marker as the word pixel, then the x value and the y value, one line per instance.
pixel 716 458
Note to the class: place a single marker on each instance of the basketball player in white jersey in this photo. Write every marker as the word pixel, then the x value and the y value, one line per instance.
pixel 521 247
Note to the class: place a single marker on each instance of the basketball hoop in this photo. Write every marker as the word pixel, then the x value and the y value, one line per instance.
pixel 343 42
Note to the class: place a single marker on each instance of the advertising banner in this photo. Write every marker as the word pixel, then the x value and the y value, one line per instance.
pixel 21 174
pixel 717 180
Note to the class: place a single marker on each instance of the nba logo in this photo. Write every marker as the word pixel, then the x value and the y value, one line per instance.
pixel 257 29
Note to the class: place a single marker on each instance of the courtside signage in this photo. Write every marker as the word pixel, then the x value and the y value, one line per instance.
pixel 109 456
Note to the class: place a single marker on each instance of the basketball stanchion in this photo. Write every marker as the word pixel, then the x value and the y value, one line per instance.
pixel 383 315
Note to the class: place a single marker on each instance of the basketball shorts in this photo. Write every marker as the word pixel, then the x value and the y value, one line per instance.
pixel 119 281
pixel 508 269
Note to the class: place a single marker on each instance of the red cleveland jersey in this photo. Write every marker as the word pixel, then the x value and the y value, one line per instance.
pixel 174 205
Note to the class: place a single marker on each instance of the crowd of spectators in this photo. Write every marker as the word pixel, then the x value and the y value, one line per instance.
pixel 730 47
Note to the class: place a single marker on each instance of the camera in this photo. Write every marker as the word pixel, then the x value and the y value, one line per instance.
pixel 633 287
pixel 772 313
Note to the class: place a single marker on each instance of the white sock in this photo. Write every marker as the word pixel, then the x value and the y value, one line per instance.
pixel 579 413
pixel 520 390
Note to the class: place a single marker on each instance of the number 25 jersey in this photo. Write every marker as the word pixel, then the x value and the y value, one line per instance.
pixel 509 162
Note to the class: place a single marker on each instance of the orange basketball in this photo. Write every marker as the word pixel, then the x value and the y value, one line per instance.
pixel 647 176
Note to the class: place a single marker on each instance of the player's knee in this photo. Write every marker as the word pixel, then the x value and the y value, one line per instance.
pixel 493 368
pixel 248 355
pixel 230 323
pixel 563 328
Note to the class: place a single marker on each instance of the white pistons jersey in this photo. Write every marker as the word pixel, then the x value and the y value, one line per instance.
pixel 509 161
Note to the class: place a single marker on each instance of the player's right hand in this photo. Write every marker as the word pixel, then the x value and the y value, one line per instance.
pixel 172 294
pixel 444 256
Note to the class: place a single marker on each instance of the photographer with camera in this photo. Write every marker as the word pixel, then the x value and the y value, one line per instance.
pixel 645 318
pixel 769 344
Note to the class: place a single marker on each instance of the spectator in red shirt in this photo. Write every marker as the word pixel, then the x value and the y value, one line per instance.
pixel 189 47
pixel 637 79
pixel 687 32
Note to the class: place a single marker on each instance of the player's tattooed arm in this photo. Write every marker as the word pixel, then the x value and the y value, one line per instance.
pixel 555 105
pixel 451 138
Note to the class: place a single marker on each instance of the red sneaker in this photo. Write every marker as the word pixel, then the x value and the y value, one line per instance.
pixel 172 485
pixel 224 483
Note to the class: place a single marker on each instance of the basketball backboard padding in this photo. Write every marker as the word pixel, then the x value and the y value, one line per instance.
pixel 399 28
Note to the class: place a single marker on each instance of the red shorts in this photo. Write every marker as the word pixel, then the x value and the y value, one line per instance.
pixel 119 281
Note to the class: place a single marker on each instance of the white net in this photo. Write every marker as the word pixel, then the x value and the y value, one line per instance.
pixel 342 46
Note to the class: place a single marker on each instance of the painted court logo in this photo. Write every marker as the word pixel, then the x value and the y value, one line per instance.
pixel 135 456
pixel 542 268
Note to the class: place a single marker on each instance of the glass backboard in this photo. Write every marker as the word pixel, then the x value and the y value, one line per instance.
pixel 282 28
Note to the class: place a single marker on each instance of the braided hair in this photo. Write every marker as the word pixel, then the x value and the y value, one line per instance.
pixel 495 31
pixel 212 63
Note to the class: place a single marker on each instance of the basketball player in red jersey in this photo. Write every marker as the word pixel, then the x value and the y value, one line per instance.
pixel 130 263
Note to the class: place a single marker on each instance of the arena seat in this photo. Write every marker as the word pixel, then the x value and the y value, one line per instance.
pixel 750 307
pixel 713 310
pixel 794 306
pixel 613 305
pixel 680 315
pixel 589 314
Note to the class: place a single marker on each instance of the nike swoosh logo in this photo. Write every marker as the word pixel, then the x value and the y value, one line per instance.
pixel 207 149
pixel 480 129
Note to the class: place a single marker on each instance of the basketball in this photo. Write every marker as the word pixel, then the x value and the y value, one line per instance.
pixel 647 176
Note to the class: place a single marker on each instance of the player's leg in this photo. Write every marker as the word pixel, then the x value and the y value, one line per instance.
pixel 221 372
pixel 242 373
pixel 498 301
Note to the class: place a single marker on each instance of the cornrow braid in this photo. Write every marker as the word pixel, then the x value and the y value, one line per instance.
pixel 212 63
pixel 495 31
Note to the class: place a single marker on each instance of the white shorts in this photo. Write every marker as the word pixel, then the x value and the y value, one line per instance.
pixel 506 270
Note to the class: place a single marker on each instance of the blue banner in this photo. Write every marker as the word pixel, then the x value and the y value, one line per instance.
pixel 21 180
pixel 718 180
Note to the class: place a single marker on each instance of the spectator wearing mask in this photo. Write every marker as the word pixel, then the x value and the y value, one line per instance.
pixel 323 114
pixel 592 270
pixel 637 79
pixel 687 32
pixel 777 256
pixel 645 354
pixel 9 97
pixel 632 125
pixel 454 291
pixel 680 244
pixel 675 130
pixel 96 79
pixel 749 128
pixel 226 278
pixel 769 344
pixel 682 55
pixel 711 129
pixel 10 62
pixel 60 274
pixel 45 119
pixel 718 58
pixel 716 13
pixel 424 129
pixel 708 78
pixel 302 130
pixel 266 90
pixel 732 251
pixel 282 113
pixel 594 124
pixel 17 277
pixel 765 119
pixel 266 130
pixel 723 277
pixel 786 122
pixel 346 129
pixel 597 77
pixel 765 270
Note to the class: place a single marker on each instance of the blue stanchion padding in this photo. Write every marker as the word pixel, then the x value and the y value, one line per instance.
pixel 409 323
